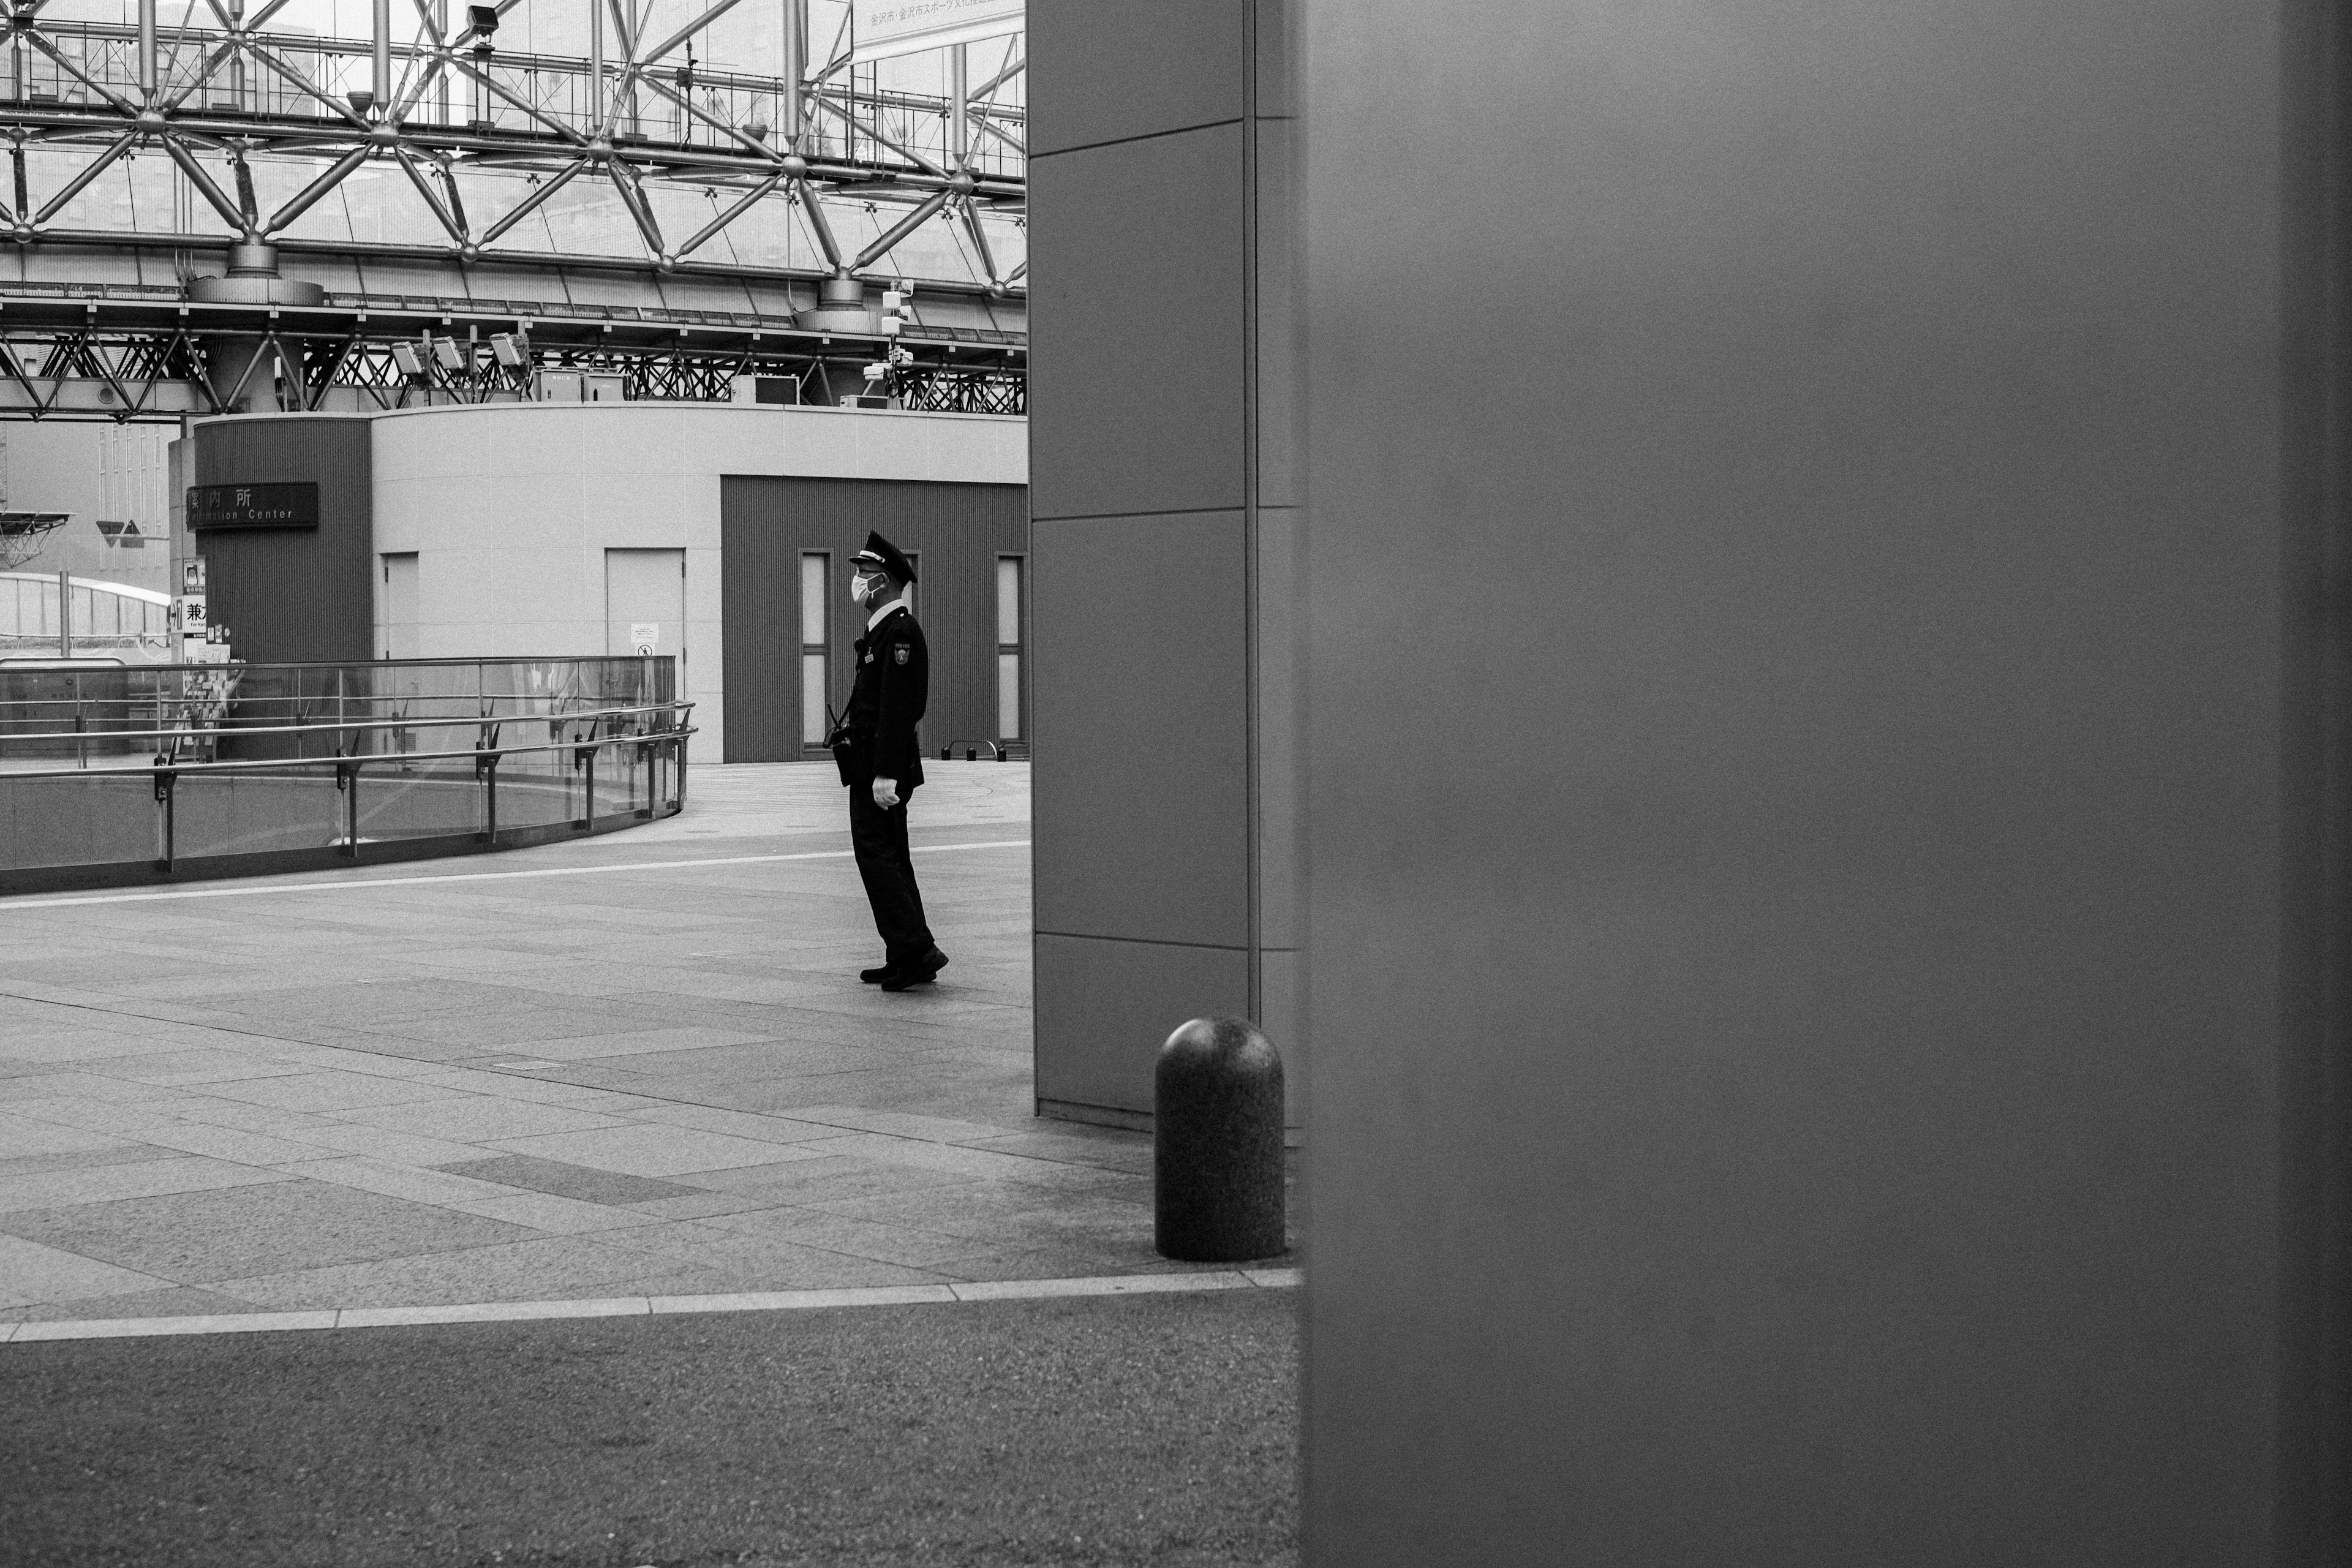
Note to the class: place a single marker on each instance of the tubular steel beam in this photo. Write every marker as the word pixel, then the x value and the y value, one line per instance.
pixel 530 204
pixel 819 225
pixel 891 146
pixel 305 85
pixel 74 187
pixel 383 60
pixel 624 181
pixel 147 51
pixel 900 231
pixel 121 104
pixel 958 108
pixel 980 244
pixel 743 138
pixel 407 161
pixel 1000 78
pixel 316 188
pixel 595 63
pixel 795 67
pixel 730 216
pixel 709 16
pixel 205 186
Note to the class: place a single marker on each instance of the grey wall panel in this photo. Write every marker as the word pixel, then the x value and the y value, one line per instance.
pixel 1798 1049
pixel 1136 347
pixel 1142 729
pixel 764 525
pixel 1277 343
pixel 1108 72
pixel 1121 1000
pixel 299 595
pixel 1281 630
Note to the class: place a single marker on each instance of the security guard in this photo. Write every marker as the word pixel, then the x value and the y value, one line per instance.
pixel 882 761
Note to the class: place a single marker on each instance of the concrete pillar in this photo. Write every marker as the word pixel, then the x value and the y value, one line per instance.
pixel 1828 784
pixel 1163 502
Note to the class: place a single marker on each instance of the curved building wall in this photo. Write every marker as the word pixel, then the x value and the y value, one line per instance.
pixel 505 530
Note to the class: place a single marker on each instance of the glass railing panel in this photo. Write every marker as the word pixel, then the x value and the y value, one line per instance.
pixel 253 751
pixel 537 789
pixel 427 799
pixel 246 813
pixel 100 820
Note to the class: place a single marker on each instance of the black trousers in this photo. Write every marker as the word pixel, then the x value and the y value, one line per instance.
pixel 879 839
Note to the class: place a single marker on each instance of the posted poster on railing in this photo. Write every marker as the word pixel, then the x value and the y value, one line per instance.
pixel 881 29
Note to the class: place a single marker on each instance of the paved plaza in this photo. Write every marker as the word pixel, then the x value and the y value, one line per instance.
pixel 641 1065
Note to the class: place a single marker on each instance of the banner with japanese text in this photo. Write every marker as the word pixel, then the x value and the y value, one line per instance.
pixel 881 29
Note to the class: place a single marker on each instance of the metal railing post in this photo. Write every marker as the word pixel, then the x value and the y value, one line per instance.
pixel 485 768
pixel 347 784
pixel 165 793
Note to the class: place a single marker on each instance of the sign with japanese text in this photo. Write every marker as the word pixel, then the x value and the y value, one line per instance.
pixel 253 506
pixel 882 28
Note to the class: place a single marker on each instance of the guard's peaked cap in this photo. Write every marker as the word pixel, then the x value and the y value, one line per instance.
pixel 880 552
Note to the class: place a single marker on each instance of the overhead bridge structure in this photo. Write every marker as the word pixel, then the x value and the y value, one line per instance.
pixel 210 216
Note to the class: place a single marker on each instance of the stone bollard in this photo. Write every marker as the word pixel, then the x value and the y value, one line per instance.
pixel 1216 1144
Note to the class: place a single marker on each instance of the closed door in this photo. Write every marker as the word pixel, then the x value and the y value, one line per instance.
pixel 1008 646
pixel 397 634
pixel 645 602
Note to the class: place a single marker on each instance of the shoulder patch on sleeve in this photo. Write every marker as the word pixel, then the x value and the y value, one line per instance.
pixel 901 652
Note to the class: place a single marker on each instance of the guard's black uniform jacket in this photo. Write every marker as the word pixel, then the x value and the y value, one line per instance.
pixel 894 683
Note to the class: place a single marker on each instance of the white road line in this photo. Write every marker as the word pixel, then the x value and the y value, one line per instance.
pixel 649 1306
pixel 246 893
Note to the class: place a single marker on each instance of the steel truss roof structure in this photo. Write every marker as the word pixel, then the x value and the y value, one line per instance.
pixel 257 137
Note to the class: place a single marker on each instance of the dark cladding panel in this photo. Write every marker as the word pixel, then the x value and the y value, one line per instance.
pixel 287 590
pixel 765 526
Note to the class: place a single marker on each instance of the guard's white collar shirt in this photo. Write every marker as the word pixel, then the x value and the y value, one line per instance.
pixel 876 618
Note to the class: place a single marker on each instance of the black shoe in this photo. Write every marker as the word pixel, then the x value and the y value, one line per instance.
pixel 918 972
pixel 875 976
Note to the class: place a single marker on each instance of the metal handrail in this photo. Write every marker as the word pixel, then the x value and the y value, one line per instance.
pixel 350 760
pixel 397 721
pixel 167 776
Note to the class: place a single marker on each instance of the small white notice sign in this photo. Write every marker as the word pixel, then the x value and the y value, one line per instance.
pixel 644 636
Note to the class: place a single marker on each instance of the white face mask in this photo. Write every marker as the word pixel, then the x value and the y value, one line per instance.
pixel 860 585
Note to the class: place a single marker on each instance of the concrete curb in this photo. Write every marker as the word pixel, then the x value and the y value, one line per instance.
pixel 649 1306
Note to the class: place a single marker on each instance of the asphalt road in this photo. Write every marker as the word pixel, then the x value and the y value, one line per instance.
pixel 1145 1429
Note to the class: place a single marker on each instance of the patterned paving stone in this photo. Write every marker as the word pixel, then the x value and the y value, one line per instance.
pixel 502 1088
pixel 584 1183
